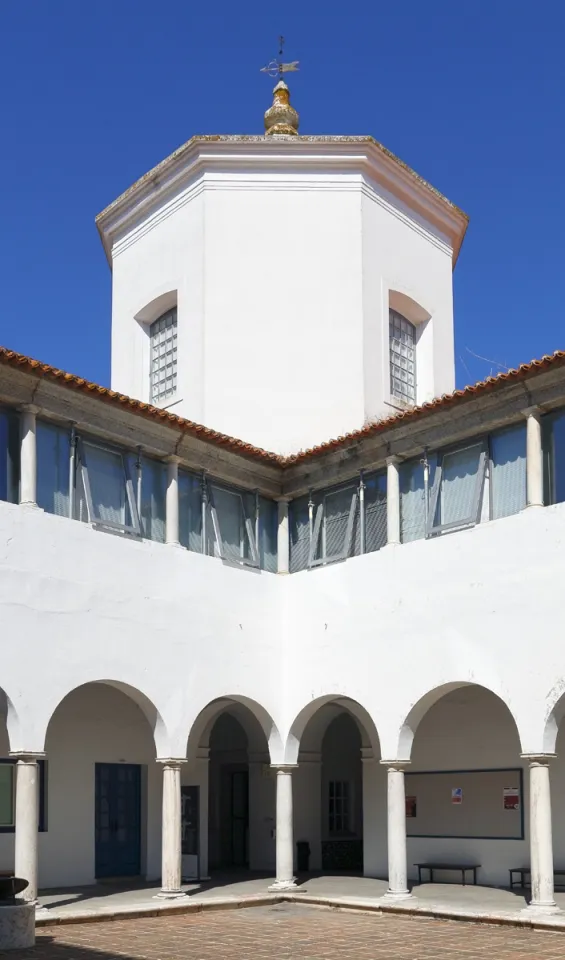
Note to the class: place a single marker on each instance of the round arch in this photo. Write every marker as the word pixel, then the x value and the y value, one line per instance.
pixel 554 718
pixel 416 714
pixel 141 700
pixel 252 716
pixel 362 717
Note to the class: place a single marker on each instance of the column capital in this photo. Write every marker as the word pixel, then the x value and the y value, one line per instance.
pixel 173 459
pixel 395 764
pixel 535 412
pixel 173 762
pixel 538 759
pixel 284 767
pixel 393 460
pixel 284 498
pixel 27 756
pixel 29 408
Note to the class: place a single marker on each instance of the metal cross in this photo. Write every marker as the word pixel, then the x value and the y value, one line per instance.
pixel 276 68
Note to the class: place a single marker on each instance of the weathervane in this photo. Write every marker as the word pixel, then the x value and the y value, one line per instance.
pixel 276 68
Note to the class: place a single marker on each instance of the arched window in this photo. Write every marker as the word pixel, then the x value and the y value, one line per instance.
pixel 163 337
pixel 402 335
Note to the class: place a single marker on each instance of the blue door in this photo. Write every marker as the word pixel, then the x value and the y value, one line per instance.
pixel 117 820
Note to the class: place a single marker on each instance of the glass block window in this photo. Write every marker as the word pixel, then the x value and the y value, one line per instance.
pixel 339 810
pixel 163 337
pixel 402 335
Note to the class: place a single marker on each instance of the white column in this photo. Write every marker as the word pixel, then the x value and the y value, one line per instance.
pixel 283 543
pixel 397 870
pixel 392 500
pixel 284 836
pixel 534 458
pixel 172 503
pixel 541 843
pixel 27 822
pixel 28 456
pixel 171 872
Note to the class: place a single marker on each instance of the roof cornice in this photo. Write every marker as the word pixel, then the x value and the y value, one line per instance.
pixel 363 155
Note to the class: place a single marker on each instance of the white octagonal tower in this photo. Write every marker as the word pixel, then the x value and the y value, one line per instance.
pixel 285 269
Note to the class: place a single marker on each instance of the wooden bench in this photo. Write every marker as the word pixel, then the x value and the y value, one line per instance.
pixel 523 872
pixel 462 867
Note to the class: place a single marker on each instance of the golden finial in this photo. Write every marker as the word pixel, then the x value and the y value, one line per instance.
pixel 281 119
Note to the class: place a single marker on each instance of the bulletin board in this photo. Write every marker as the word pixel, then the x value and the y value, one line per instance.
pixel 470 804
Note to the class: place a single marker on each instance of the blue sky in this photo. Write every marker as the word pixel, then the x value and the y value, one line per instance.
pixel 469 93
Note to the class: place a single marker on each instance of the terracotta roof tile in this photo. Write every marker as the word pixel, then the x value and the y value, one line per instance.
pixel 44 370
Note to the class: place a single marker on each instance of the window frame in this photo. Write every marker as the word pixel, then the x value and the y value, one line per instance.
pixel 346 808
pixel 248 524
pixel 393 313
pixel 164 397
pixel 135 528
pixel 472 519
pixel 319 527
pixel 42 814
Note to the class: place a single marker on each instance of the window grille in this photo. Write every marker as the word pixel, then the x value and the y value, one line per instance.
pixel 163 339
pixel 402 339
pixel 339 808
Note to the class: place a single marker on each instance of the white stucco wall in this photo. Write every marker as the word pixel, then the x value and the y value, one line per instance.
pixel 391 630
pixel 282 277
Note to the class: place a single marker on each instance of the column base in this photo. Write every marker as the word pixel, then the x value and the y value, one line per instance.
pixel 397 896
pixel 541 909
pixel 170 895
pixel 279 885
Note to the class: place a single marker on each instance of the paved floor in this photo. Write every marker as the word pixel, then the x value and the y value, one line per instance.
pixel 290 932
pixel 442 898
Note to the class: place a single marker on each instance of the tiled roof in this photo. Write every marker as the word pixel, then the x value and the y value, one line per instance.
pixel 72 382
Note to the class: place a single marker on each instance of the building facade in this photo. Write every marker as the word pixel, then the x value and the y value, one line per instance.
pixel 215 648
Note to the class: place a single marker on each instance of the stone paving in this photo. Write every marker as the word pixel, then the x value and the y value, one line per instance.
pixel 290 932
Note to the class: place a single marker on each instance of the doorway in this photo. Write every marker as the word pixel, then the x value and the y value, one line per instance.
pixel 117 804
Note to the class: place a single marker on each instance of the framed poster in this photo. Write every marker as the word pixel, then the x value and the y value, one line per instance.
pixel 511 798
pixel 457 795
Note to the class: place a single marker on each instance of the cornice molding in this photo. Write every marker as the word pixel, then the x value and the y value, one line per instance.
pixel 253 158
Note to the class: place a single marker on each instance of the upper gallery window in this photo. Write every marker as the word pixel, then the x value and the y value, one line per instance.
pixel 402 338
pixel 163 338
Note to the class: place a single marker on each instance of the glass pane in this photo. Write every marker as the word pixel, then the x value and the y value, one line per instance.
pixel 299 534
pixel 337 507
pixel 163 339
pixel 457 496
pixel 190 511
pixel 412 501
pixel 53 461
pixel 557 458
pixel 9 456
pixel 153 495
pixel 402 338
pixel 375 512
pixel 268 533
pixel 508 472
pixel 7 794
pixel 107 485
pixel 231 520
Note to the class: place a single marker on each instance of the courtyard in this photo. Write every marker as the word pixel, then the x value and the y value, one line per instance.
pixel 280 931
